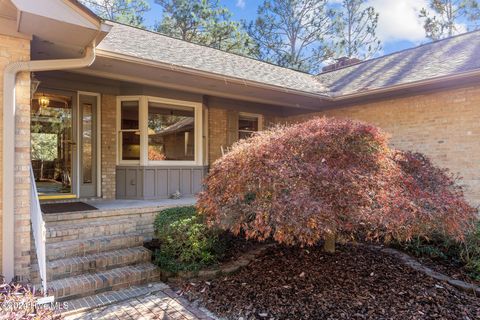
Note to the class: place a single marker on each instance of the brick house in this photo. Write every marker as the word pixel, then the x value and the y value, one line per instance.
pixel 122 118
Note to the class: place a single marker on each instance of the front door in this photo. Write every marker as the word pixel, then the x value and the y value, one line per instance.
pixel 87 143
pixel 53 145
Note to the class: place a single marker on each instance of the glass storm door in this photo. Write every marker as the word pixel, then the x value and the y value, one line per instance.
pixel 87 119
pixel 52 144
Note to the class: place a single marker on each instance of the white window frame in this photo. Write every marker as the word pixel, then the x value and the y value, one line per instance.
pixel 143 128
pixel 119 151
pixel 250 115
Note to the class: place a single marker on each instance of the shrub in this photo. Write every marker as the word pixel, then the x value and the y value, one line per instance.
pixel 19 301
pixel 302 183
pixel 440 247
pixel 185 242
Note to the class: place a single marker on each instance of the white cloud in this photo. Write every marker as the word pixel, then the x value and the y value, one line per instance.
pixel 399 19
pixel 240 4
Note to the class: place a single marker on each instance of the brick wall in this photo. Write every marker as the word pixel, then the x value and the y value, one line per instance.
pixel 444 125
pixel 217 133
pixel 108 145
pixel 16 49
pixel 223 130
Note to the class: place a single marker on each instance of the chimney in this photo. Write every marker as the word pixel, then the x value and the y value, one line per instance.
pixel 341 62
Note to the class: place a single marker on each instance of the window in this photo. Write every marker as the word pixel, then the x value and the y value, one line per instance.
pixel 171 132
pixel 159 131
pixel 130 130
pixel 248 124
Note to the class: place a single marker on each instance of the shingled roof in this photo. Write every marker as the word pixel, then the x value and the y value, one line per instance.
pixel 447 57
pixel 433 60
pixel 153 46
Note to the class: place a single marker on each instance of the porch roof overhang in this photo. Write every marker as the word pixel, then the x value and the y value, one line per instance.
pixel 51 23
pixel 130 69
pixel 126 68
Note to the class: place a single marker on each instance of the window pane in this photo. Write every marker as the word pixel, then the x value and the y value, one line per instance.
pixel 248 123
pixel 130 145
pixel 171 132
pixel 244 134
pixel 129 115
pixel 87 142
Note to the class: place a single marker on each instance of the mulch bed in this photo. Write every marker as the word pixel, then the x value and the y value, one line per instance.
pixel 236 246
pixel 451 269
pixel 357 282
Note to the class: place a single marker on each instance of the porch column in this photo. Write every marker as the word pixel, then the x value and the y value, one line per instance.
pixel 14 49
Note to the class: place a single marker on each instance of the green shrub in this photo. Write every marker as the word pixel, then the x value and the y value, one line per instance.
pixel 470 253
pixel 440 247
pixel 186 244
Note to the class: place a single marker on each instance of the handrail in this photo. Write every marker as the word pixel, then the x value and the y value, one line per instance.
pixel 39 231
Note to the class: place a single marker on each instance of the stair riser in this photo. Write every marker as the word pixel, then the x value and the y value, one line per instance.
pixel 54 235
pixel 95 216
pixel 93 246
pixel 87 288
pixel 82 265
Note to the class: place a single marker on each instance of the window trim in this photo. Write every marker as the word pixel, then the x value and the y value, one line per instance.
pixel 250 115
pixel 143 128
pixel 119 130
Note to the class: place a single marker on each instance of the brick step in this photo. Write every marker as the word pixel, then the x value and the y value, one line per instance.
pixel 86 230
pixel 79 308
pixel 83 247
pixel 102 261
pixel 94 283
pixel 91 216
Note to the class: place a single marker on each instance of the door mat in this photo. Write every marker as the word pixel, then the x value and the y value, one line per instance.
pixel 66 207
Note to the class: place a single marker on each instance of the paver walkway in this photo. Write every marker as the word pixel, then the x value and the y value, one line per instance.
pixel 164 304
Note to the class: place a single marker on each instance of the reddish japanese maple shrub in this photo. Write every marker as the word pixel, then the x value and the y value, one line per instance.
pixel 299 184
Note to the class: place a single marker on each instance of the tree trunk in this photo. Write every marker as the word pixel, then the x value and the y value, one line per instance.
pixel 329 244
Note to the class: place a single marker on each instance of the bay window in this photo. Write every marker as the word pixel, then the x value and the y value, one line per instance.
pixel 158 131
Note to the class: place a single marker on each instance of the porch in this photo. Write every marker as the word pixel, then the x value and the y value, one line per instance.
pixel 101 249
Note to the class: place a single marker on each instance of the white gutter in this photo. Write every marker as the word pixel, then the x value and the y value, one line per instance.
pixel 250 83
pixel 207 74
pixel 9 111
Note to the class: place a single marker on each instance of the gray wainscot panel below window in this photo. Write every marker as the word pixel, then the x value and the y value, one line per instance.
pixel 158 182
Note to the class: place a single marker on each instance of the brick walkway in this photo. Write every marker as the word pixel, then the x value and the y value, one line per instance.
pixel 163 304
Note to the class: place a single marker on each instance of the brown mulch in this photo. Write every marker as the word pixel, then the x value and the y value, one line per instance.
pixel 449 268
pixel 357 282
pixel 235 246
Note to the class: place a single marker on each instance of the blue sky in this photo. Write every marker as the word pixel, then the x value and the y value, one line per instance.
pixel 399 25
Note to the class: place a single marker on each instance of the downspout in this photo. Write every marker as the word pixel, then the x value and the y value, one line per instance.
pixel 9 111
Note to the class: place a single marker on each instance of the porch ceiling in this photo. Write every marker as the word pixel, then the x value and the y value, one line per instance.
pixel 173 78
pixel 51 24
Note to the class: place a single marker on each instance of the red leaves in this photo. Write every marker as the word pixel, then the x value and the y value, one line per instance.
pixel 298 183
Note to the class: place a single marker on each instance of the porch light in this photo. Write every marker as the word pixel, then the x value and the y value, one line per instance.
pixel 43 102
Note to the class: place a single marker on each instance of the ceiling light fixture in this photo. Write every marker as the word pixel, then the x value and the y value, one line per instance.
pixel 43 101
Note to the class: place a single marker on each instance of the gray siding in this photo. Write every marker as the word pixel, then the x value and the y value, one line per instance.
pixel 158 182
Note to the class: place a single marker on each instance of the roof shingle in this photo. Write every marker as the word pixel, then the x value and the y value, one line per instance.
pixel 153 46
pixel 433 60
pixel 442 58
